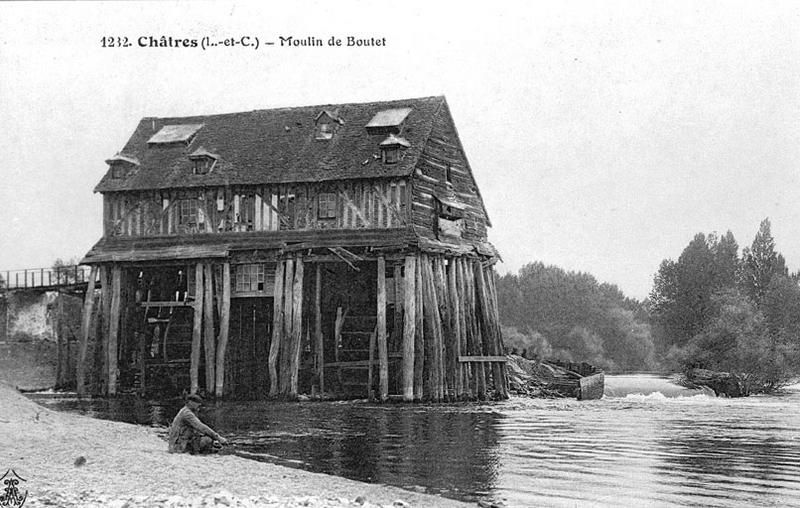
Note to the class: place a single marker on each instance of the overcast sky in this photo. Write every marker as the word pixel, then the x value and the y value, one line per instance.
pixel 603 136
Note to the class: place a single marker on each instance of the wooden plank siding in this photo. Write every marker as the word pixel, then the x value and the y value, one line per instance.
pixel 443 151
pixel 357 204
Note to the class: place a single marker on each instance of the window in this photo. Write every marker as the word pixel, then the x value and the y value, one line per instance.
pixel 327 206
pixel 187 212
pixel 391 154
pixel 202 166
pixel 119 171
pixel 324 131
pixel 448 174
pixel 249 278
pixel 390 148
pixel 326 123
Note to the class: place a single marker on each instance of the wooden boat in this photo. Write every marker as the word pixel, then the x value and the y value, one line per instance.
pixel 580 380
pixel 552 378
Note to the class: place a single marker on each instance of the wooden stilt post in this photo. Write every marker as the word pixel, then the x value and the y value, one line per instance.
pixel 475 348
pixel 419 335
pixel 437 388
pixel 86 323
pixel 488 329
pixel 103 326
pixel 224 325
pixel 113 328
pixel 209 338
pixel 397 332
pixel 297 327
pixel 319 348
pixel 370 367
pixel 284 377
pixel 455 328
pixel 443 298
pixel 462 340
pixel 277 329
pixel 495 316
pixel 409 323
pixel 197 329
pixel 383 353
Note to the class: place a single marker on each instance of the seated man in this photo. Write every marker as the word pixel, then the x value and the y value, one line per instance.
pixel 188 434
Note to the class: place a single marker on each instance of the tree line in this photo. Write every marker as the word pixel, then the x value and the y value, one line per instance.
pixel 547 312
pixel 716 310
pixel 711 308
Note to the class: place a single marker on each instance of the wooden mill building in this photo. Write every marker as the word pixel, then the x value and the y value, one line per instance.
pixel 337 250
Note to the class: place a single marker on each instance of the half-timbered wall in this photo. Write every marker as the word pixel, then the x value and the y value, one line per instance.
pixel 327 205
pixel 441 171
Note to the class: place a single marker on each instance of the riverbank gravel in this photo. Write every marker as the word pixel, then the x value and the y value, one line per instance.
pixel 70 460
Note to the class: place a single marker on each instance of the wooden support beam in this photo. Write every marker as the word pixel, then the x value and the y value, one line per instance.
pixel 209 339
pixel 224 328
pixel 397 329
pixel 284 377
pixel 297 328
pixel 113 328
pixel 419 336
pixel 102 328
pixel 372 340
pixel 86 324
pixel 335 250
pixel 277 328
pixel 197 330
pixel 495 315
pixel 337 340
pixel 483 359
pixel 447 357
pixel 383 352
pixel 408 329
pixel 434 319
pixel 455 327
pixel 319 346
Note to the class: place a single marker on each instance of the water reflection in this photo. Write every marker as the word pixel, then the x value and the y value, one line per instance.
pixel 639 448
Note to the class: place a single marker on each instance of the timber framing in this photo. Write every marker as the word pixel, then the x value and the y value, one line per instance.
pixel 296 265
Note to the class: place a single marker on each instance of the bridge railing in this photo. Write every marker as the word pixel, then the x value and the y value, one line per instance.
pixel 32 278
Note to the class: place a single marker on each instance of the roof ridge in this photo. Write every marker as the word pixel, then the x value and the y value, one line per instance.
pixel 289 108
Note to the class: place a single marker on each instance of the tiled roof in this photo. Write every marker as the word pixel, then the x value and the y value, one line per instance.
pixel 274 146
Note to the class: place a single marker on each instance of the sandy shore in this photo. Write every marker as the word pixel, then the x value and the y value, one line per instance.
pixel 128 466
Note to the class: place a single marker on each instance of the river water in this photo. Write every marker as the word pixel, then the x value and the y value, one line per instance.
pixel 648 442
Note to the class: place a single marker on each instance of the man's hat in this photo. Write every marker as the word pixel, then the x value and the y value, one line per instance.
pixel 195 398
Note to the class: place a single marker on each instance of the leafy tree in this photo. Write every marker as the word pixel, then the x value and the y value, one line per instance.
pixel 726 260
pixel 738 340
pixel 571 316
pixel 760 262
pixel 681 296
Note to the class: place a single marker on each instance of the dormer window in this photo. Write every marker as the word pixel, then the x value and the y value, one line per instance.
pixel 390 149
pixel 391 155
pixel 121 165
pixel 171 135
pixel 203 161
pixel 326 123
pixel 388 121
pixel 324 131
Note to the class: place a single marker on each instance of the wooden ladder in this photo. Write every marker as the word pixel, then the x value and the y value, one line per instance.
pixel 354 354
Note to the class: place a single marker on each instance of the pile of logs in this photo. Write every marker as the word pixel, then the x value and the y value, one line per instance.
pixel 723 383
pixel 550 380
